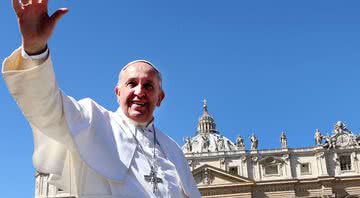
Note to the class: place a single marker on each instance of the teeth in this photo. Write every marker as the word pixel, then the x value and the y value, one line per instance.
pixel 139 103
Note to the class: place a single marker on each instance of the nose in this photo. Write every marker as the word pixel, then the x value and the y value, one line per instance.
pixel 139 91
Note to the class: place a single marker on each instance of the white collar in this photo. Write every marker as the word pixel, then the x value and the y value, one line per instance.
pixel 133 124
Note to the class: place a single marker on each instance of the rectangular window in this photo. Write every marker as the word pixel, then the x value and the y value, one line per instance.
pixel 305 168
pixel 271 169
pixel 233 170
pixel 345 162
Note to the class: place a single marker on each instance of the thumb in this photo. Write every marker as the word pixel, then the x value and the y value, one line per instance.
pixel 57 15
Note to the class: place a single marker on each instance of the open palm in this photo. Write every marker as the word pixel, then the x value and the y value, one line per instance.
pixel 36 26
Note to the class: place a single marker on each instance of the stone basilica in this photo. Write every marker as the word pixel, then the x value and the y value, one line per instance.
pixel 222 168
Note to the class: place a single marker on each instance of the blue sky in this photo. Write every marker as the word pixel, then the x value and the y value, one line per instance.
pixel 263 66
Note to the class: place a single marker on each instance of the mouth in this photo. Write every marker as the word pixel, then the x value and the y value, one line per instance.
pixel 138 103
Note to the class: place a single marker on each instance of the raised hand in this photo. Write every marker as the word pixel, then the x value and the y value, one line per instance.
pixel 36 26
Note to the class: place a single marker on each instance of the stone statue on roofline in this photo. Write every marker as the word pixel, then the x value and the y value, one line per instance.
pixel 318 137
pixel 220 143
pixel 205 143
pixel 340 128
pixel 254 142
pixel 283 140
pixel 240 143
pixel 188 144
pixel 341 137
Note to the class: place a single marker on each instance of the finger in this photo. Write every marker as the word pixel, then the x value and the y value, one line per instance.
pixel 57 15
pixel 26 2
pixel 17 7
pixel 43 4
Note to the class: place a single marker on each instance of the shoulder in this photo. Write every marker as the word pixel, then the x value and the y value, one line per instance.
pixel 92 106
pixel 169 143
pixel 90 103
pixel 85 110
pixel 168 139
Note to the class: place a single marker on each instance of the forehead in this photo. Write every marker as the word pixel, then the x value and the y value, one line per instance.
pixel 139 70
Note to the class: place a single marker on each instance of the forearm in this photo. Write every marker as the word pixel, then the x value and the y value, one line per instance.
pixel 33 86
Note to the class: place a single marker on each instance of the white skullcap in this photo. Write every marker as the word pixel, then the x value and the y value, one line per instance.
pixel 158 73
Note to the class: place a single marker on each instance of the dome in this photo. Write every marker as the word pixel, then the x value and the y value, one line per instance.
pixel 207 138
pixel 206 122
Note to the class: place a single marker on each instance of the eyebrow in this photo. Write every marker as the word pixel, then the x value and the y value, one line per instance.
pixel 130 79
pixel 135 79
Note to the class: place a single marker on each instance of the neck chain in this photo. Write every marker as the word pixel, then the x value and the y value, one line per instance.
pixel 153 159
pixel 152 176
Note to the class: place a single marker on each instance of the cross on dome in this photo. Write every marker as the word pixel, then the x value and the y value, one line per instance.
pixel 206 122
pixel 205 104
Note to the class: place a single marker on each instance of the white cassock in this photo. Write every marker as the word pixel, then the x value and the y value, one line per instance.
pixel 89 151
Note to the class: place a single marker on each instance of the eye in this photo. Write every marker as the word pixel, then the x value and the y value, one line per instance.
pixel 131 84
pixel 148 86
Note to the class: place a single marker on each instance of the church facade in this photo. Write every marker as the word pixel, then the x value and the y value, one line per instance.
pixel 223 168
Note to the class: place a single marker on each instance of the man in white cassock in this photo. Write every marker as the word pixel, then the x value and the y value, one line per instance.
pixel 89 151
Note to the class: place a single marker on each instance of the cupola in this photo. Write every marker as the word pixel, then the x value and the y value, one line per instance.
pixel 206 122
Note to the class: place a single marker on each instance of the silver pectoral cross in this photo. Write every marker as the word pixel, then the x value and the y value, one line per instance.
pixel 153 179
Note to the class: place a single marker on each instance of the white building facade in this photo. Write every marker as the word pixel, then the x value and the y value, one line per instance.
pixel 222 168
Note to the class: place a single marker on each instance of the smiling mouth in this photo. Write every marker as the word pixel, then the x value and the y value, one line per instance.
pixel 139 103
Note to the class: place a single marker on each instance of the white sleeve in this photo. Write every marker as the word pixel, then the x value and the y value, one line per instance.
pixel 34 88
pixel 36 92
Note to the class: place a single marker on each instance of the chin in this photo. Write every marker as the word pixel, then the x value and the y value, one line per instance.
pixel 138 117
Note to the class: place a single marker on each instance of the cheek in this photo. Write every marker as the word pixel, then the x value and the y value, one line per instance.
pixel 122 97
pixel 155 102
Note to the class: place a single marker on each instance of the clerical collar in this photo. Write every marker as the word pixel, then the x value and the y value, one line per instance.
pixel 134 124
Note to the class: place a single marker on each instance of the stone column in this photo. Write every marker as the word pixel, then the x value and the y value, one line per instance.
pixel 287 165
pixel 255 167
pixel 321 163
pixel 243 166
pixel 336 164
pixel 355 162
pixel 223 164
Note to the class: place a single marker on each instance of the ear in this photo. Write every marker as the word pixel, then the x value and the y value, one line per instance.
pixel 160 98
pixel 117 91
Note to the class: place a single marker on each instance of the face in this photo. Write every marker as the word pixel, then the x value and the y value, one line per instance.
pixel 139 92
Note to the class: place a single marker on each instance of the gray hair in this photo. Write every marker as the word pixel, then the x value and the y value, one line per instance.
pixel 157 72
